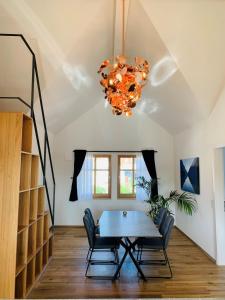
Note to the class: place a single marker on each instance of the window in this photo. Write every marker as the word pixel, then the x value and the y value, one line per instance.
pixel 126 176
pixel 102 176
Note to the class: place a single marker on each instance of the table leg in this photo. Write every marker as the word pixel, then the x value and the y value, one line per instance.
pixel 128 248
pixel 134 259
pixel 120 265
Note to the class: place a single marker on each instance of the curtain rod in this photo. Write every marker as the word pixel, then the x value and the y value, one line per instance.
pixel 117 151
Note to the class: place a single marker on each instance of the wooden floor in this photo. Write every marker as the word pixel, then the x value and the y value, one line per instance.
pixel 195 275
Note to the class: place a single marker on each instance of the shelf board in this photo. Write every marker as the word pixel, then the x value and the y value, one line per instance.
pixel 25 152
pixel 45 242
pixel 21 228
pixel 19 269
pixel 30 189
pixel 31 222
pixel 38 249
pixel 30 287
pixel 30 257
pixel 23 191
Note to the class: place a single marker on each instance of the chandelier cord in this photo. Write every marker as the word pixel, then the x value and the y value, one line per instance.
pixel 123 27
pixel 122 82
pixel 114 31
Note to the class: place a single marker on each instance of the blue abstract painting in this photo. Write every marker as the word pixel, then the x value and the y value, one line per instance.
pixel 189 175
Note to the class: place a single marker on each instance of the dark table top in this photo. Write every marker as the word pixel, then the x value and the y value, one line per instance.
pixel 134 224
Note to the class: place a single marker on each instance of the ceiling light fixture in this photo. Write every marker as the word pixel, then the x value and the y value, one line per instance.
pixel 123 82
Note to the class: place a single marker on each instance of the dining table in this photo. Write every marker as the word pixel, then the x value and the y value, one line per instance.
pixel 127 226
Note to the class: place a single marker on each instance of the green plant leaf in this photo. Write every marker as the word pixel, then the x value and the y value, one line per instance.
pixel 185 202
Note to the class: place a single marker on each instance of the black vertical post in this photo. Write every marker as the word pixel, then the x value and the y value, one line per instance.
pixel 45 143
pixel 42 167
pixel 32 89
pixel 53 208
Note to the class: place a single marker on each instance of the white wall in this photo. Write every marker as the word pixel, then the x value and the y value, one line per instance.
pixel 201 141
pixel 99 130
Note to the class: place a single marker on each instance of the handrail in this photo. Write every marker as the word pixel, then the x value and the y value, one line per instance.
pixel 31 107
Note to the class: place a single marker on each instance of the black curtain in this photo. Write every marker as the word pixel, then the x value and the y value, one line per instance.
pixel 149 158
pixel 79 157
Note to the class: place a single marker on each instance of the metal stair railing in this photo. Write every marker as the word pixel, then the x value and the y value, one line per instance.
pixel 43 157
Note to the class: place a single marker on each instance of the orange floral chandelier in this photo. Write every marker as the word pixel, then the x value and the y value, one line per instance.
pixel 123 82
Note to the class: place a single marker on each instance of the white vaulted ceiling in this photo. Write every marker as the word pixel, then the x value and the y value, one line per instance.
pixel 182 39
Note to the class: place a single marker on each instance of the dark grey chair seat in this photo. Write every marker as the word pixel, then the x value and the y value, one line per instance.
pixel 106 243
pixel 150 243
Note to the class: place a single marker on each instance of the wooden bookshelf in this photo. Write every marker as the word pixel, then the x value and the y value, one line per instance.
pixel 23 212
pixel 33 205
pixel 27 134
pixel 34 171
pixel 20 289
pixel 32 240
pixel 41 201
pixel 23 224
pixel 45 253
pixel 39 263
pixel 40 232
pixel 21 253
pixel 30 274
pixel 25 171
pixel 46 226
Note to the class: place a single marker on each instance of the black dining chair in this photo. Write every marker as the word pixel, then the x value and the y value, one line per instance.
pixel 159 243
pixel 88 212
pixel 99 244
pixel 163 212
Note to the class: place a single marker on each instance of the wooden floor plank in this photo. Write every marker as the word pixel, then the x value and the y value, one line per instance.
pixel 195 275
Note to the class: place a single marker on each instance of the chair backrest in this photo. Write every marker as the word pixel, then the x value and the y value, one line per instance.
pixel 88 212
pixel 161 214
pixel 163 220
pixel 90 229
pixel 166 229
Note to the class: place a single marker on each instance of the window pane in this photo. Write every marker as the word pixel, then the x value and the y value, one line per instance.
pixel 102 163
pixel 126 163
pixel 102 185
pixel 126 182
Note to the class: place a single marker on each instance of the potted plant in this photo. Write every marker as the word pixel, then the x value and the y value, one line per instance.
pixel 184 201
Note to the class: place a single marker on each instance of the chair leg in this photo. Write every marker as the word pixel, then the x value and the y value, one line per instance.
pixel 116 256
pixel 138 250
pixel 103 262
pixel 117 259
pixel 92 262
pixel 168 262
pixel 140 254
pixel 87 257
pixel 89 260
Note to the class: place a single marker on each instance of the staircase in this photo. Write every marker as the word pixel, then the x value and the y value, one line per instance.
pixel 47 152
pixel 26 225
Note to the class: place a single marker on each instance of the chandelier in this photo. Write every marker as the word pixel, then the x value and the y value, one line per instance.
pixel 123 82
